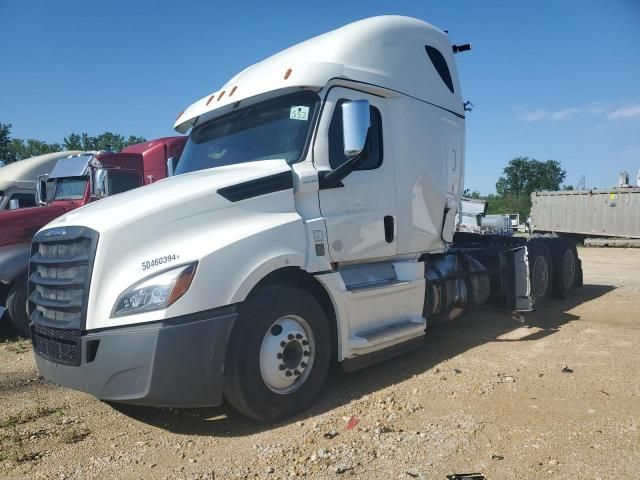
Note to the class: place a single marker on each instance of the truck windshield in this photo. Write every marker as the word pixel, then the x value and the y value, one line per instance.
pixel 71 188
pixel 273 129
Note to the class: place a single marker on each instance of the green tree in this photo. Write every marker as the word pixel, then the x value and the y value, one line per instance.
pixel 521 177
pixel 13 149
pixel 133 140
pixel 525 175
pixel 109 141
pixel 471 194
pixel 72 142
pixel 510 203
pixel 6 153
pixel 21 149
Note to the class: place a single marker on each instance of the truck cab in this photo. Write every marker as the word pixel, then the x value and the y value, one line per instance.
pixel 312 222
pixel 18 179
pixel 76 180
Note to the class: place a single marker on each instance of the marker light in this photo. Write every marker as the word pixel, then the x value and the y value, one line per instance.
pixel 156 292
pixel 287 74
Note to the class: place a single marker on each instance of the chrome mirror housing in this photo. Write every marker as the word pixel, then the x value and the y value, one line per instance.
pixel 356 121
pixel 101 182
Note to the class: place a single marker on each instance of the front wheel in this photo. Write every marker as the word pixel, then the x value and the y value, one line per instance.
pixel 17 305
pixel 278 354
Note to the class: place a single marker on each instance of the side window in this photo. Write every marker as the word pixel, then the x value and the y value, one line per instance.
pixel 25 199
pixel 119 183
pixel 441 66
pixel 336 140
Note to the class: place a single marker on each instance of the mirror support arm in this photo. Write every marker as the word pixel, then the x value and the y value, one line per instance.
pixel 333 178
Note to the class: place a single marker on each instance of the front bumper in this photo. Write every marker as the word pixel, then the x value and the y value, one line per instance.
pixel 171 363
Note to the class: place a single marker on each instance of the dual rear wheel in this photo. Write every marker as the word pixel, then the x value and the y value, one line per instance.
pixel 554 266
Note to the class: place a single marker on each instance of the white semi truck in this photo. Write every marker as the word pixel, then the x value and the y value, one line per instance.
pixel 311 221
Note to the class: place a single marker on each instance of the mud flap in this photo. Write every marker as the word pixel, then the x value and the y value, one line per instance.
pixel 449 224
pixel 514 278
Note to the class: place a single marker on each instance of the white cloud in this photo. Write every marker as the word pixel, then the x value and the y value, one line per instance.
pixel 540 114
pixel 624 112
pixel 605 110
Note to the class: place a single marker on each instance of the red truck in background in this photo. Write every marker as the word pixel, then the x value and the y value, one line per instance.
pixel 74 181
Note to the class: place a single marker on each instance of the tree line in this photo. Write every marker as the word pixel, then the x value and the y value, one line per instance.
pixel 14 149
pixel 520 178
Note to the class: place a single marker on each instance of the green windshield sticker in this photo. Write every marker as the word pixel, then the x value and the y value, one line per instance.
pixel 299 113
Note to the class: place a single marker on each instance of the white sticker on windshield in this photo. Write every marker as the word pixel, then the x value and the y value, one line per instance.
pixel 299 113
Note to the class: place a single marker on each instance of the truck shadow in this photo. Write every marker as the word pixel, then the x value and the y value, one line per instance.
pixel 443 341
pixel 7 332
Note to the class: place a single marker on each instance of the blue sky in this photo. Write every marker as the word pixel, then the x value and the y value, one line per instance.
pixel 548 79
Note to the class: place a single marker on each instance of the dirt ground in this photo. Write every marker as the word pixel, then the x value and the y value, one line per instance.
pixel 557 397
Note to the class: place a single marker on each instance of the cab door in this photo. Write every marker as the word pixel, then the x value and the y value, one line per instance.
pixel 360 215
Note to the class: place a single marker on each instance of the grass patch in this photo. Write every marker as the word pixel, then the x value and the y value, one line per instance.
pixel 19 346
pixel 28 416
pixel 12 447
pixel 74 435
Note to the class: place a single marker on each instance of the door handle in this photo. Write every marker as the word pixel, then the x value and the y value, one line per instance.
pixel 388 228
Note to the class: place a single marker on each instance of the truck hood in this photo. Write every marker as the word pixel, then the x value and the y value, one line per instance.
pixel 183 219
pixel 169 199
pixel 19 226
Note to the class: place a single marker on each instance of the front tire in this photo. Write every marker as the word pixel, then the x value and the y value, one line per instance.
pixel 278 355
pixel 17 306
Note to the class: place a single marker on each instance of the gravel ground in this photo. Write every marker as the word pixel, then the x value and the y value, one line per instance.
pixel 557 397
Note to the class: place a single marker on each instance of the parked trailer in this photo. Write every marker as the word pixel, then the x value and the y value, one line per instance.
pixel 314 223
pixel 590 213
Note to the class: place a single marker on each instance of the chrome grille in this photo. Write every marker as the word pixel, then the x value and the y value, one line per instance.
pixel 59 276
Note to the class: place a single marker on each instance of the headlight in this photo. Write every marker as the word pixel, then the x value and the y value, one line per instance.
pixel 156 292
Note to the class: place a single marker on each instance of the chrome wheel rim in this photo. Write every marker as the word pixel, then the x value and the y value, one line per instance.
pixel 287 354
pixel 540 276
pixel 568 268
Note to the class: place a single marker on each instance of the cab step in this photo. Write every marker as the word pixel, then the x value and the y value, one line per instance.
pixel 388 333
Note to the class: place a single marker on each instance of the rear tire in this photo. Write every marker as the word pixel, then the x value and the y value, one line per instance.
pixel 541 271
pixel 278 355
pixel 567 267
pixel 17 306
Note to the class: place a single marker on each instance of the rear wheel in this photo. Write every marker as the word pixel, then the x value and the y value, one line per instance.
pixel 540 271
pixel 17 305
pixel 278 355
pixel 567 267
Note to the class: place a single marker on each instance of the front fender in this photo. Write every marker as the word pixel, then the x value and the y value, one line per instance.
pixel 14 260
pixel 262 270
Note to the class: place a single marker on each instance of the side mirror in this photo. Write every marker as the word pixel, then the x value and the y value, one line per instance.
pixel 41 189
pixel 101 182
pixel 172 163
pixel 14 204
pixel 356 120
